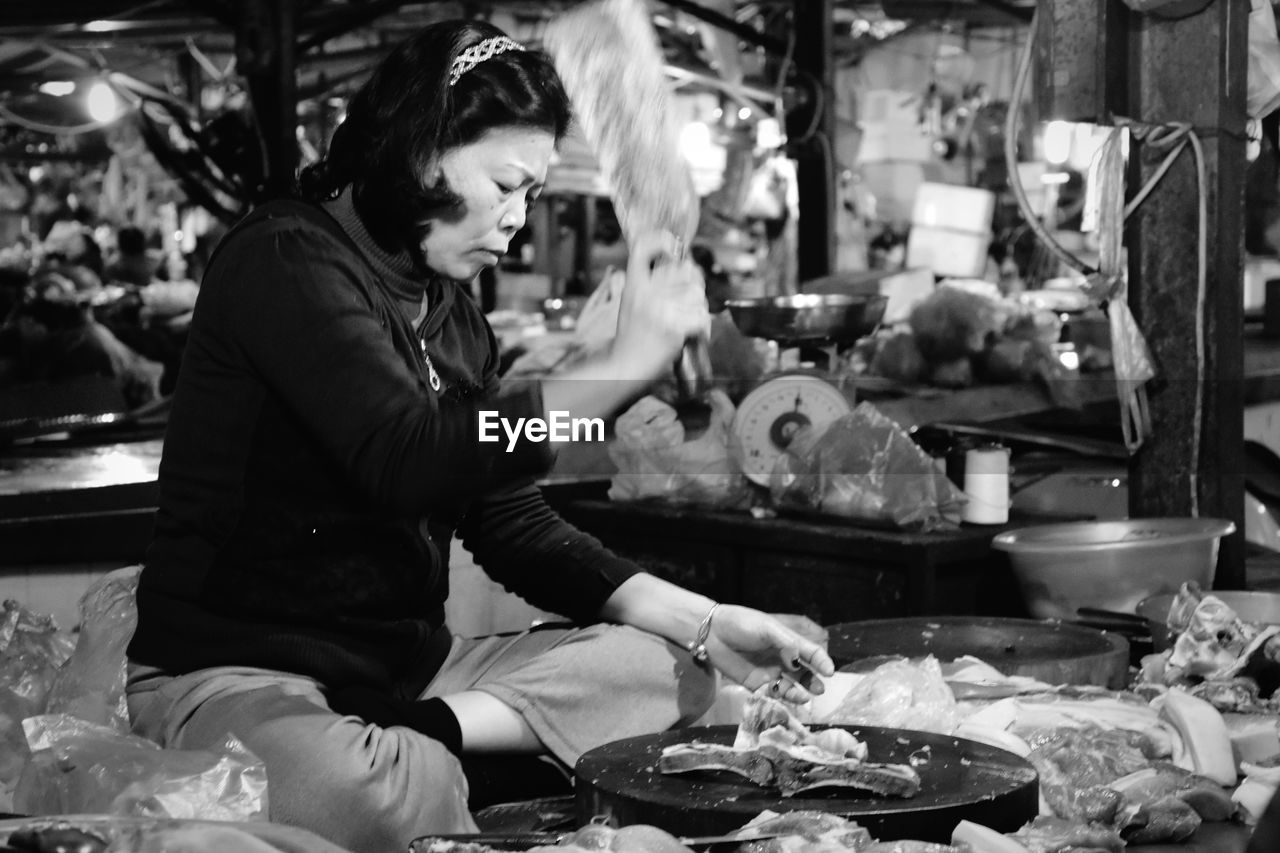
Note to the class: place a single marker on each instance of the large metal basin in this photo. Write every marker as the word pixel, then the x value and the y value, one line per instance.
pixel 817 318
pixel 1111 565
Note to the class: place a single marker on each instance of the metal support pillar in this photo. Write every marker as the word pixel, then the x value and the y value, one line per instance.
pixel 1168 476
pixel 811 129
pixel 266 56
pixel 192 83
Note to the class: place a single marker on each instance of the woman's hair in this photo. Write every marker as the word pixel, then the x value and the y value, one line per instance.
pixel 407 114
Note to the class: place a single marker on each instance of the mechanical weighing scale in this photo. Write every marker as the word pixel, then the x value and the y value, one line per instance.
pixel 768 418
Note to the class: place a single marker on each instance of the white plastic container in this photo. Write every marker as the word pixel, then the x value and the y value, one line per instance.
pixel 951 229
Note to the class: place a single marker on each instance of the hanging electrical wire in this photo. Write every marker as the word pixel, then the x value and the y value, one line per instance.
pixel 1128 344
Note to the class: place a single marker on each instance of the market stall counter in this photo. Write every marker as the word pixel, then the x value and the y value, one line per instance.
pixel 90 501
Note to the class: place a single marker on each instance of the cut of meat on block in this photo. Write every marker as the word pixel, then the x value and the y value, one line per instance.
pixel 776 767
pixel 748 763
pixel 885 780
pixel 772 748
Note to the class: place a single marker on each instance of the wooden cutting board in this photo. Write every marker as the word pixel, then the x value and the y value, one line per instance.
pixel 1051 651
pixel 960 779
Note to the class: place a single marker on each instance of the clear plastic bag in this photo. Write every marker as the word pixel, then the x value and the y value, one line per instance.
pixel 655 461
pixel 149 835
pixel 901 694
pixel 90 685
pixel 31 650
pixel 80 767
pixel 865 467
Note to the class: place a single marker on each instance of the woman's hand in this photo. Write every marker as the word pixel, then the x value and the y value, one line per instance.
pixel 778 654
pixel 663 304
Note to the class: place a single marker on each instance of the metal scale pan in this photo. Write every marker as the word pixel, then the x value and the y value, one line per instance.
pixel 833 319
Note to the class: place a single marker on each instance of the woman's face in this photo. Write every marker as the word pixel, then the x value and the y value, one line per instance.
pixel 498 177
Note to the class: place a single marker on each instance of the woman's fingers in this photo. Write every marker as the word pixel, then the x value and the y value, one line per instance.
pixel 800 661
pixel 789 689
pixel 797 652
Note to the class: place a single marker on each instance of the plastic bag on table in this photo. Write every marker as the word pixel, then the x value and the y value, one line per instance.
pixel 83 768
pixel 150 835
pixel 900 694
pixel 90 685
pixel 31 650
pixel 655 461
pixel 865 467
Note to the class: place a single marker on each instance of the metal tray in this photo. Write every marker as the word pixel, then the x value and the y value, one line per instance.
pixel 811 318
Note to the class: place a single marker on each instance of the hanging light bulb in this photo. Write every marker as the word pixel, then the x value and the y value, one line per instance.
pixel 57 88
pixel 103 104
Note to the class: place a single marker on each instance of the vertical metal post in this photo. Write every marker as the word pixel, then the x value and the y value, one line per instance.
pixel 193 83
pixel 265 54
pixel 812 128
pixel 1192 70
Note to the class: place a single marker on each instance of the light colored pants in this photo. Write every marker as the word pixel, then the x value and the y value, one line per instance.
pixel 374 789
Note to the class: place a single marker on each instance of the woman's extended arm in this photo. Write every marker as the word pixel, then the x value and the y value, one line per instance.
pixel 750 647
pixel 662 305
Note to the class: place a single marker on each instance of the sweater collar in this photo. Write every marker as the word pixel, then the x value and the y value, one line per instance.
pixel 396 270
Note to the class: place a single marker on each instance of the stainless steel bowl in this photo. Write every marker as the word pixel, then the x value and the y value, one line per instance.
pixel 838 318
pixel 1111 565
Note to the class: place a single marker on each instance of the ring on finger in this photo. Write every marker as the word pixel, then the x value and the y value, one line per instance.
pixel 775 687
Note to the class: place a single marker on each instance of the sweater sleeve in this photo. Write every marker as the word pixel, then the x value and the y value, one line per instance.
pixel 524 545
pixel 289 302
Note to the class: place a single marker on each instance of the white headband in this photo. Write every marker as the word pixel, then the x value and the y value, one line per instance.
pixel 477 53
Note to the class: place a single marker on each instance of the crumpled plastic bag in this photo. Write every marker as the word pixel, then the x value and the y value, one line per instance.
pixel 150 835
pixel 655 461
pixel 900 694
pixel 78 767
pixel 865 467
pixel 31 650
pixel 90 685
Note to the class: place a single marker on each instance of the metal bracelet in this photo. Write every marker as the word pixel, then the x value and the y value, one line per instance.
pixel 698 648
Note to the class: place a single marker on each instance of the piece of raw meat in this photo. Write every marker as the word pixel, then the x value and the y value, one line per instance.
pixel 1055 834
pixel 772 748
pixel 688 757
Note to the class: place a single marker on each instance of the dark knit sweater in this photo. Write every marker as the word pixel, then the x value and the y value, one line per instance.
pixel 312 479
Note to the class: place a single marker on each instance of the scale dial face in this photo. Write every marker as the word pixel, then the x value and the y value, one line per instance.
pixel 770 416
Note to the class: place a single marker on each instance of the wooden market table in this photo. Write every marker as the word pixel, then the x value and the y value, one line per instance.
pixel 829 570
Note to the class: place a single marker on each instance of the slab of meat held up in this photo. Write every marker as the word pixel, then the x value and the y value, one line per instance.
pixel 774 749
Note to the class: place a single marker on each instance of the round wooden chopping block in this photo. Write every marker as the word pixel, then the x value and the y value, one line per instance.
pixel 960 780
pixel 1053 652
